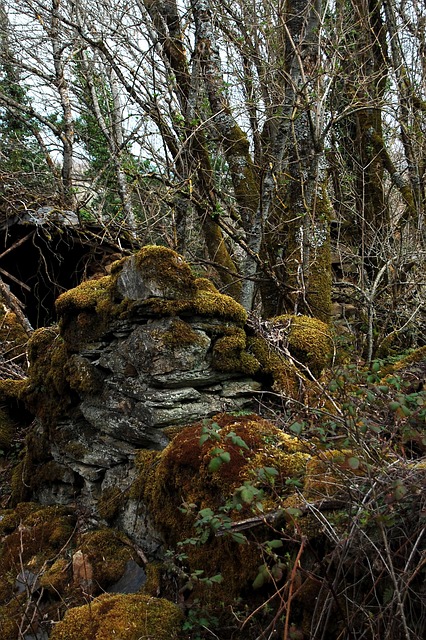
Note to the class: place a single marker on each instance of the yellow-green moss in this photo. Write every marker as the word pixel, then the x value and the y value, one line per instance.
pixel 152 586
pixel 13 337
pixel 46 393
pixel 123 617
pixel 204 303
pixel 308 340
pixel 57 577
pixel 108 552
pixel 38 535
pixel 203 284
pixel 13 389
pixel 285 376
pixel 82 376
pixel 180 334
pixel 11 518
pixel 93 295
pixel 229 353
pixel 110 502
pixel 180 474
pixel 168 268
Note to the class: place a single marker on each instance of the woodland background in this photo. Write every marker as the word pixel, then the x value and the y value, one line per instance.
pixel 279 146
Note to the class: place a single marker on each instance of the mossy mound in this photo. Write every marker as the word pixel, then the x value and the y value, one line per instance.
pixel 154 281
pixel 285 376
pixel 32 536
pixel 128 617
pixel 154 272
pixel 307 339
pixel 107 551
pixel 182 475
pixel 230 353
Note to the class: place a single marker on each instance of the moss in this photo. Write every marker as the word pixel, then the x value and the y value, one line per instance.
pixel 11 518
pixel 180 474
pixel 28 472
pixel 13 338
pixel 204 303
pixel 180 334
pixel 229 353
pixel 152 586
pixel 92 295
pixel 38 535
pixel 286 377
pixel 128 617
pixel 108 552
pixel 203 284
pixel 308 340
pixel 167 268
pixel 57 577
pixel 11 617
pixel 12 389
pixel 109 503
pixel 47 391
pixel 82 376
pixel 7 430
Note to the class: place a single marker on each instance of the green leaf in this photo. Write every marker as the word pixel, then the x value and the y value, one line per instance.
pixel 262 577
pixel 215 464
pixel 393 406
pixel 238 537
pixel 274 544
pixel 296 428
pixel 270 471
pixel 203 439
pixel 247 495
pixel 225 456
pixel 206 513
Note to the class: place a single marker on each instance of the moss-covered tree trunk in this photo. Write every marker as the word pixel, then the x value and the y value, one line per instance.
pixel 301 210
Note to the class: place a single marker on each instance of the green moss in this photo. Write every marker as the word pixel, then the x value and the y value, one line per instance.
pixel 29 472
pixel 284 374
pixel 308 340
pixel 7 429
pixel 204 303
pixel 152 586
pixel 203 284
pixel 46 393
pixel 181 474
pixel 37 537
pixel 13 338
pixel 229 353
pixel 180 334
pixel 57 578
pixel 11 518
pixel 127 617
pixel 82 376
pixel 109 503
pixel 108 552
pixel 92 295
pixel 13 389
pixel 167 268
pixel 11 617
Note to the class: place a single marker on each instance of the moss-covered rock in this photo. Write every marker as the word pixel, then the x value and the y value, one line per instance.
pixel 182 474
pixel 128 617
pixel 307 339
pixel 230 353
